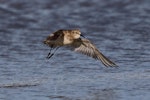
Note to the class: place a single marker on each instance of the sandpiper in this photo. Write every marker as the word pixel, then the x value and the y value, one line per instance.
pixel 72 38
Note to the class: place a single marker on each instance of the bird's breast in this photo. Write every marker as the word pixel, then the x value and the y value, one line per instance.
pixel 67 40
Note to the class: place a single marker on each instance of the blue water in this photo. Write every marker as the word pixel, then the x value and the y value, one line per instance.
pixel 120 29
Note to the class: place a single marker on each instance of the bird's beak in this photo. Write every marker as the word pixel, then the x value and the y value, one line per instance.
pixel 82 35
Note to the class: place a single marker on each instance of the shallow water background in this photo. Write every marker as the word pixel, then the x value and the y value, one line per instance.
pixel 119 28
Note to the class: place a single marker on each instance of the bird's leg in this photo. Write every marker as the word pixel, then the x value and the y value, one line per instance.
pixel 51 54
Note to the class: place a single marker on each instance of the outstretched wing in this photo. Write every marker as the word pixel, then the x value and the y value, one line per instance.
pixel 85 47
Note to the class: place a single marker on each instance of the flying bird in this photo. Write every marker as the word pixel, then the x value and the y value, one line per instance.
pixel 72 38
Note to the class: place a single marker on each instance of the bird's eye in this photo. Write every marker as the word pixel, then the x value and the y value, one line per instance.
pixel 77 33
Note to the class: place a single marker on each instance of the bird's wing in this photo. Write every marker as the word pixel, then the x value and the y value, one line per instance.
pixel 84 46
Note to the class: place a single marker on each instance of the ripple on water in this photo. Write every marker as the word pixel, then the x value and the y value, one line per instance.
pixel 120 29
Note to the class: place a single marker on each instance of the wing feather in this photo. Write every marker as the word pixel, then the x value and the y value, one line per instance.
pixel 85 47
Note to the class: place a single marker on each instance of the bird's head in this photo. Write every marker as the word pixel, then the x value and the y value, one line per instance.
pixel 76 33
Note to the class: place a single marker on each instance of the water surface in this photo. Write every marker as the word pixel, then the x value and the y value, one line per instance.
pixel 120 29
